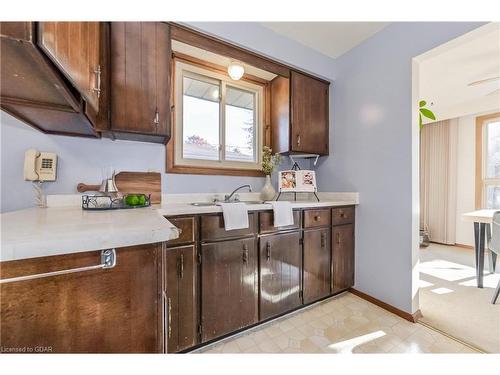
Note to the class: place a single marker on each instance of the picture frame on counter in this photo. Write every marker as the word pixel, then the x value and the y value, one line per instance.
pixel 297 181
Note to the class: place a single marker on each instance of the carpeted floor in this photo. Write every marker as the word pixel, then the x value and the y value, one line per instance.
pixel 450 300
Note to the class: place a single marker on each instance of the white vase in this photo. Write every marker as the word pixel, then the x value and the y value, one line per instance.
pixel 268 192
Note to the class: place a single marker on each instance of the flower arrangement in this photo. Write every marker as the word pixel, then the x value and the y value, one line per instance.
pixel 269 161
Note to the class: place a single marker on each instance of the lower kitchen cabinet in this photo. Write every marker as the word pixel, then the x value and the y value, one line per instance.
pixel 229 287
pixel 110 310
pixel 342 257
pixel 181 305
pixel 317 264
pixel 280 273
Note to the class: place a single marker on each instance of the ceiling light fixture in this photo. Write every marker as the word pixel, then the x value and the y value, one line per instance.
pixel 235 71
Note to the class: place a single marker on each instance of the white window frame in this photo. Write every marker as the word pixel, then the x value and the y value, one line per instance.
pixel 486 181
pixel 184 69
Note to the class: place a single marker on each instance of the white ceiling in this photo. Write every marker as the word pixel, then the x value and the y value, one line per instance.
pixel 445 74
pixel 330 38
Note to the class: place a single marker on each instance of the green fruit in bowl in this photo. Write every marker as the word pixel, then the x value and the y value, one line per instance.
pixel 132 200
pixel 142 200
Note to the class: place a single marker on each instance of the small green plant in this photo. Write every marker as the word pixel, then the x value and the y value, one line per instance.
pixel 427 113
pixel 269 161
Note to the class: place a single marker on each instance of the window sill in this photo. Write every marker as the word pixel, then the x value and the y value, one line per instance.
pixel 214 171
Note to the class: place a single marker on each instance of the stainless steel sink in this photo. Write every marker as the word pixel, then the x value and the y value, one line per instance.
pixel 210 204
pixel 253 202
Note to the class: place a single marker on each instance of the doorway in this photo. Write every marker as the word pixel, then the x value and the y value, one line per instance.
pixel 456 88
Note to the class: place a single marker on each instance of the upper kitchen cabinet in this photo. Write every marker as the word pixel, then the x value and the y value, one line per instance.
pixel 140 81
pixel 77 49
pixel 300 114
pixel 53 75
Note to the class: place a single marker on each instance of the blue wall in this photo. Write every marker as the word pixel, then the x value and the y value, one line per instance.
pixel 371 150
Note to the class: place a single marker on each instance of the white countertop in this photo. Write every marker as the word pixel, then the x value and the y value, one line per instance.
pixel 65 228
pixel 38 232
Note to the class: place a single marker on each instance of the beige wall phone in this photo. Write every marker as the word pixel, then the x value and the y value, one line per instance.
pixel 39 166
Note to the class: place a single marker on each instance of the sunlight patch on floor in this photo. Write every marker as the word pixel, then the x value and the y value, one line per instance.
pixel 347 346
pixel 489 281
pixel 441 291
pixel 446 270
pixel 424 284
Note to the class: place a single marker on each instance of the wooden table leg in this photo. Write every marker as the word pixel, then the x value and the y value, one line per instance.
pixel 479 237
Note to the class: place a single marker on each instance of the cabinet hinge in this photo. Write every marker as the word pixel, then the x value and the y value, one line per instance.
pixel 199 258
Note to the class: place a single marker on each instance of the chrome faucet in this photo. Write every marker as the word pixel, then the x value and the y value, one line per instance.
pixel 227 198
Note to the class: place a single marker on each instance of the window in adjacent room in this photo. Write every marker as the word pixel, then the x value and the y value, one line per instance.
pixel 218 121
pixel 488 161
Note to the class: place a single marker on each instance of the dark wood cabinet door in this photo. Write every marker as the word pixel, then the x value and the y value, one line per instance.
pixel 342 257
pixel 317 264
pixel 280 273
pixel 100 311
pixel 280 114
pixel 140 77
pixel 34 90
pixel 75 47
pixel 229 287
pixel 181 271
pixel 309 120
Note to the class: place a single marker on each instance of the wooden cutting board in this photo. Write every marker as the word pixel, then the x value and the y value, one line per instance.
pixel 133 182
pixel 140 182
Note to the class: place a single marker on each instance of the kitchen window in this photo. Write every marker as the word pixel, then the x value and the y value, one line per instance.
pixel 488 161
pixel 218 121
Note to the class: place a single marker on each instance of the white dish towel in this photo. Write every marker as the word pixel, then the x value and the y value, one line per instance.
pixel 235 215
pixel 283 213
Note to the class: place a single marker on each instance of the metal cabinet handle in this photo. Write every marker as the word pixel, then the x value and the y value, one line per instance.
pixel 298 139
pixel 164 321
pixel 156 120
pixel 181 266
pixel 323 239
pixel 317 218
pixel 108 260
pixel 245 253
pixel 268 250
pixel 169 317
pixel 338 238
pixel 97 88
pixel 342 214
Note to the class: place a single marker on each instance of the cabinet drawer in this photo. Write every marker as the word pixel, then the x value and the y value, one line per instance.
pixel 266 222
pixel 187 225
pixel 212 228
pixel 317 218
pixel 342 215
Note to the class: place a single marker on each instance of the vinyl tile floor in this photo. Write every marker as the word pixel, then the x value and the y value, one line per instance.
pixel 343 324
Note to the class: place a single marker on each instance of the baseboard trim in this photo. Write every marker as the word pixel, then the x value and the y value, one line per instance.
pixel 464 246
pixel 403 314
